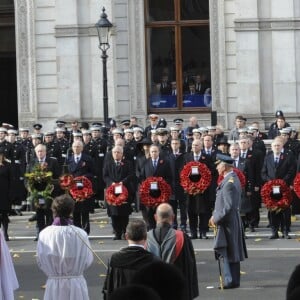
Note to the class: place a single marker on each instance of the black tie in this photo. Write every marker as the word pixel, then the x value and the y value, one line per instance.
pixel 276 162
pixel 154 164
pixel 236 163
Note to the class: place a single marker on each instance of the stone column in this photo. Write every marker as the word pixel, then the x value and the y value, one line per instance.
pixel 247 55
pixel 26 62
pixel 67 49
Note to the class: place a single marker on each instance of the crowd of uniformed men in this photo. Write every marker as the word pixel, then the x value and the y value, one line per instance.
pixel 129 154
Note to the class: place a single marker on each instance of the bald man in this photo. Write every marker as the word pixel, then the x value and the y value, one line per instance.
pixel 175 247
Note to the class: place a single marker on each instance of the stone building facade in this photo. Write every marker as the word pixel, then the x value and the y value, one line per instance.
pixel 254 48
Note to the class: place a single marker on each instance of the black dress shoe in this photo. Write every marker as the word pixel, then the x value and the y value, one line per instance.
pixel 36 239
pixel 117 237
pixel 193 236
pixel 18 212
pixel 12 213
pixel 230 286
pixel 203 236
pixel 32 218
pixel 274 236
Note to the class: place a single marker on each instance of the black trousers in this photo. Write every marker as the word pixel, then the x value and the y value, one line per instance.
pixel 180 201
pixel 43 218
pixel 119 224
pixel 82 219
pixel 280 220
pixel 199 221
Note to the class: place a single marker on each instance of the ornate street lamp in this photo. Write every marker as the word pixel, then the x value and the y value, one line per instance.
pixel 103 27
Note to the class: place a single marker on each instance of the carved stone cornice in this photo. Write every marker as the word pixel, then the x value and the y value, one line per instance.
pixel 267 24
pixel 74 31
pixel 26 66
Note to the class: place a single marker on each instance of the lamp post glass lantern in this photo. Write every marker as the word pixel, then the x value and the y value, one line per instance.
pixel 103 27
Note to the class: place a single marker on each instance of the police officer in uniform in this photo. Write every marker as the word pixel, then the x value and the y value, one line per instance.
pixel 62 142
pixel 99 148
pixel 53 149
pixel 18 192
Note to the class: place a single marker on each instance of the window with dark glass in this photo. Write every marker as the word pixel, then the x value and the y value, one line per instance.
pixel 178 55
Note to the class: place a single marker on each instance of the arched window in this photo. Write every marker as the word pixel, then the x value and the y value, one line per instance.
pixel 178 55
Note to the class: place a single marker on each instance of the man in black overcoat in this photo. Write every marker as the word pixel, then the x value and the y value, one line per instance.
pixel 81 164
pixel 118 171
pixel 199 205
pixel 158 167
pixel 279 165
pixel 44 214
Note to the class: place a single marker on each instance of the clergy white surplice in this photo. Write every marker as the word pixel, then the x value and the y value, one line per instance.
pixel 8 278
pixel 63 255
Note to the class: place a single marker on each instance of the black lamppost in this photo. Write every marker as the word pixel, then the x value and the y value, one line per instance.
pixel 103 26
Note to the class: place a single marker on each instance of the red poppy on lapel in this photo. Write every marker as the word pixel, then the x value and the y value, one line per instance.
pixel 203 157
pixel 161 161
pixel 83 164
pixel 281 156
pixel 249 155
pixel 121 163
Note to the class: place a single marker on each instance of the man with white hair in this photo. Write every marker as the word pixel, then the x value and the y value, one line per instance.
pixel 119 173
pixel 81 164
pixel 43 212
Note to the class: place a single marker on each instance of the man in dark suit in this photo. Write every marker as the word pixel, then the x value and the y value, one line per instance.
pixel 153 118
pixel 199 205
pixel 243 165
pixel 255 159
pixel 81 164
pixel 279 165
pixel 119 172
pixel 158 167
pixel 43 213
pixel 178 198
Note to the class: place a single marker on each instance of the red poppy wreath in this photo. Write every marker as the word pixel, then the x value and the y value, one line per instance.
pixel 279 200
pixel 81 188
pixel 297 184
pixel 240 175
pixel 150 197
pixel 112 198
pixel 192 183
pixel 66 181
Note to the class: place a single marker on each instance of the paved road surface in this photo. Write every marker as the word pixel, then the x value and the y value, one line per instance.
pixel 264 274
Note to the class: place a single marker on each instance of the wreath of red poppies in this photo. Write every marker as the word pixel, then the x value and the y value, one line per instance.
pixel 66 181
pixel 191 187
pixel 81 193
pixel 116 199
pixel 239 174
pixel 297 184
pixel 268 198
pixel 150 201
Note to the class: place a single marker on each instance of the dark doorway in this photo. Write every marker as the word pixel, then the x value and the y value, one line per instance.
pixel 8 74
